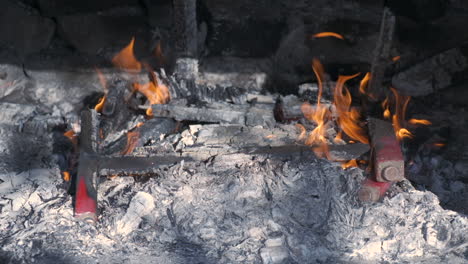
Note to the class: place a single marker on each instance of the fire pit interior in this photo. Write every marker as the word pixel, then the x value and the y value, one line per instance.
pixel 185 131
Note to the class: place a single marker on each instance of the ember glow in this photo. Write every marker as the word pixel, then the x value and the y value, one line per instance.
pixel 328 34
pixel 132 141
pixel 349 164
pixel 66 176
pixel 72 136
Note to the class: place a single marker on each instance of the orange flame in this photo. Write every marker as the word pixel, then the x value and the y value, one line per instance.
pixel 339 138
pixel 386 107
pixel 328 34
pixel 348 118
pixel 317 67
pixel 349 164
pixel 100 104
pixel 155 92
pixel 396 58
pixel 102 80
pixel 319 115
pixel 364 82
pixel 126 60
pixel 419 122
pixel 439 145
pixel 363 86
pixel 398 119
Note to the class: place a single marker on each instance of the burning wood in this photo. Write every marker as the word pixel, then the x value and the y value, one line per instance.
pixel 225 114
pixel 433 74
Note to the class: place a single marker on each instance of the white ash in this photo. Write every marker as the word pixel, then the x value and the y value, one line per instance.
pixel 256 211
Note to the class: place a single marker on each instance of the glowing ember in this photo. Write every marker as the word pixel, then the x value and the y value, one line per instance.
pixel 349 164
pixel 70 134
pixel 396 58
pixel 419 122
pixel 132 141
pixel 66 176
pixel 159 54
pixel 328 34
pixel 439 145
pixel 126 60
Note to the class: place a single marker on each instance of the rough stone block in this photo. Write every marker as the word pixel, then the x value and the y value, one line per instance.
pixel 23 29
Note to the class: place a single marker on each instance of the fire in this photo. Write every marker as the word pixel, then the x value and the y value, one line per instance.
pixel 398 119
pixel 303 132
pixel 102 80
pixel 132 141
pixel 439 145
pixel 319 115
pixel 419 122
pixel 386 108
pixel 364 82
pixel 339 138
pixel 396 58
pixel 349 164
pixel 155 92
pixel 66 176
pixel 70 134
pixel 100 104
pixel 125 59
pixel 328 34
pixel 348 118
